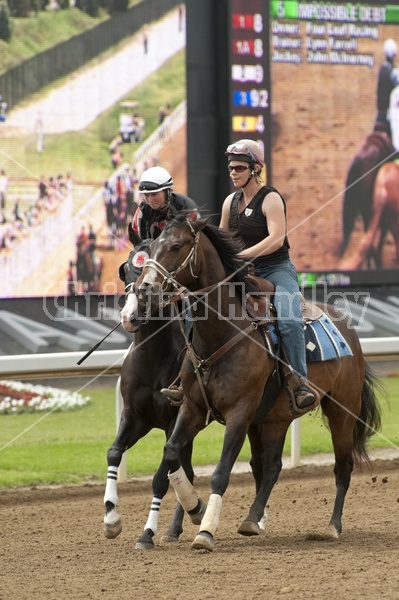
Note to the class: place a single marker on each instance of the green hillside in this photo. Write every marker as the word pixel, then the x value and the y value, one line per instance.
pixel 42 31
pixel 85 153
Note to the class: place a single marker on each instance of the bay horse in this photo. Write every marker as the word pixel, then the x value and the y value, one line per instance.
pixel 88 269
pixel 152 362
pixel 376 150
pixel 224 379
pixel 384 218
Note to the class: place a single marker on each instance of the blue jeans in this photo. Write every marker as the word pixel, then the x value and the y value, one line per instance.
pixel 289 314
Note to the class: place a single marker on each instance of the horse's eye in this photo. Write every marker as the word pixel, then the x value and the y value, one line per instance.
pixel 175 248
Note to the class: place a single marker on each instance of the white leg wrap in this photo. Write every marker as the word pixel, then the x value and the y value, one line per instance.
pixel 262 522
pixel 112 518
pixel 185 492
pixel 152 521
pixel 111 492
pixel 211 519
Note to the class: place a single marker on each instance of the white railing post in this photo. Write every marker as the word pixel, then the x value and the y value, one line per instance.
pixel 296 442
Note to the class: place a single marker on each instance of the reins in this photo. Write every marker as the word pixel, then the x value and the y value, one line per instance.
pixel 170 278
pixel 201 366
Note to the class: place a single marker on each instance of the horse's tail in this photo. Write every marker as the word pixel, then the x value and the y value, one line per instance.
pixel 369 421
pixel 351 202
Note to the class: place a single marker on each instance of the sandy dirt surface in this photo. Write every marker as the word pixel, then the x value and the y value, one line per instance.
pixel 53 545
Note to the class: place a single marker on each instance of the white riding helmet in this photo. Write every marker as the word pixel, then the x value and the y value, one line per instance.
pixel 155 179
pixel 390 48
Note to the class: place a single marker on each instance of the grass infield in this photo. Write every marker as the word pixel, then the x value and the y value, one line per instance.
pixel 71 447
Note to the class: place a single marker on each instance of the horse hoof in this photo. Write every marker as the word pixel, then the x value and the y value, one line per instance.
pixel 112 525
pixel 197 516
pixel 203 541
pixel 111 531
pixel 333 532
pixel 148 545
pixel 249 528
pixel 169 538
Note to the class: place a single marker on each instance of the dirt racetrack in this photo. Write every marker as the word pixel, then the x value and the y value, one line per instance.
pixel 53 547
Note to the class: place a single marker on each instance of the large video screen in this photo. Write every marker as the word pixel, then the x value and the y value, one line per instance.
pixel 72 154
pixel 304 78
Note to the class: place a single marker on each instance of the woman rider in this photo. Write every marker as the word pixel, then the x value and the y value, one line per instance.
pixel 257 214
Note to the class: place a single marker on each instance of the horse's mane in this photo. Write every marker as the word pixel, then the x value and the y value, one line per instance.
pixel 227 245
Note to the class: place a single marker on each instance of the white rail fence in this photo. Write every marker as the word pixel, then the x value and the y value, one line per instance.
pixel 109 362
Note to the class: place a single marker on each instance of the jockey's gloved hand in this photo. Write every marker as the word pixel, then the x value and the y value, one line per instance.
pixel 250 268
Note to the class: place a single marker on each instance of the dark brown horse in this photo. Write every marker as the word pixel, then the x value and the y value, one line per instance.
pixel 225 379
pixel 376 150
pixel 89 268
pixel 152 362
pixel 384 218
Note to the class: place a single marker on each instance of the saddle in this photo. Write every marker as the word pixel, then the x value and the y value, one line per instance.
pixel 261 307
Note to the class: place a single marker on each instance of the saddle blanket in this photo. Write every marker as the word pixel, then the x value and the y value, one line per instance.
pixel 322 339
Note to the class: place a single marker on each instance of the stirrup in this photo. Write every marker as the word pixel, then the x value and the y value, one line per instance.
pixel 301 405
pixel 174 394
pixel 304 397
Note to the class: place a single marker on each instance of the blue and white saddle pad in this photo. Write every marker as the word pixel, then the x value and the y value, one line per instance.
pixel 322 339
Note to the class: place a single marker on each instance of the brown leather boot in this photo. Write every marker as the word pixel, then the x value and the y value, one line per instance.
pixel 173 393
pixel 304 397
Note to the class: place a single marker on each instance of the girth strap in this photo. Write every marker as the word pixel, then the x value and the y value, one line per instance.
pixel 207 363
pixel 202 369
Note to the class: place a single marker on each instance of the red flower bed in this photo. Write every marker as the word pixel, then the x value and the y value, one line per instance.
pixel 24 395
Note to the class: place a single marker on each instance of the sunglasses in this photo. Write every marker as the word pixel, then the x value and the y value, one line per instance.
pixel 237 168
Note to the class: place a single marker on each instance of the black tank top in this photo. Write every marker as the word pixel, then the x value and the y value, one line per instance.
pixel 251 226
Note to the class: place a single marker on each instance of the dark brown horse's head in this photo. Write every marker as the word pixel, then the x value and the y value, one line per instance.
pixel 129 271
pixel 172 263
pixel 190 255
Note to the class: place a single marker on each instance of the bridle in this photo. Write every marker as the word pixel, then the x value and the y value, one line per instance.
pixel 129 287
pixel 169 278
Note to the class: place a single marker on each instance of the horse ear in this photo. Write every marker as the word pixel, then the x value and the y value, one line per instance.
pixel 200 224
pixel 133 236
